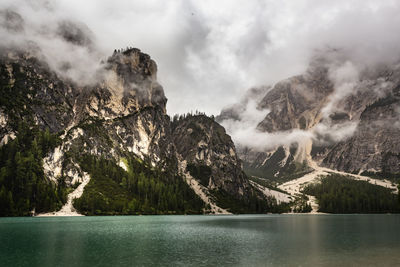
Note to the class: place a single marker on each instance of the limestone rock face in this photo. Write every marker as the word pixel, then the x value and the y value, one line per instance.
pixel 375 146
pixel 296 102
pixel 353 125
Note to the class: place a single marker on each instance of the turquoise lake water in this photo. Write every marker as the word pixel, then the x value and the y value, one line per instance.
pixel 245 240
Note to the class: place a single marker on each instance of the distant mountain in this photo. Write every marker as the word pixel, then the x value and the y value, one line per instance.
pixel 332 122
pixel 356 132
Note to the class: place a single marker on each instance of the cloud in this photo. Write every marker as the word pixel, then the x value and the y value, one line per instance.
pixel 210 52
pixel 67 45
pixel 243 128
pixel 345 77
pixel 325 133
pixel 244 132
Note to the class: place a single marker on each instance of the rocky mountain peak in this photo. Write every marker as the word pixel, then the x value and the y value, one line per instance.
pixel 133 76
pixel 296 102
pixel 128 85
pixel 133 65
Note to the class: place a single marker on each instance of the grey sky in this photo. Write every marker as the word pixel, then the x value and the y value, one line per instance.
pixel 210 52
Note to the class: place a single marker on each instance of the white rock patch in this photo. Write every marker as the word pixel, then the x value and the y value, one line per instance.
pixel 52 164
pixel 3 119
pixel 144 142
pixel 6 138
pixel 122 165
pixel 279 196
pixel 68 209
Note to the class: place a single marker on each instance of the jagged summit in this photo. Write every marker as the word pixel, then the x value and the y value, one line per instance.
pixel 138 75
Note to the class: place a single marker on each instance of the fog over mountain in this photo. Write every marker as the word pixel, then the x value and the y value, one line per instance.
pixel 209 48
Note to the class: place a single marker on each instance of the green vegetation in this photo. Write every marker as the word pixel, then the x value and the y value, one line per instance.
pixel 13 90
pixel 393 177
pixel 339 194
pixel 304 207
pixel 290 171
pixel 200 171
pixel 300 205
pixel 23 186
pixel 266 183
pixel 295 170
pixel 253 205
pixel 140 190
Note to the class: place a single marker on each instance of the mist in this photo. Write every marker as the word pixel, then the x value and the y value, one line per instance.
pixel 209 53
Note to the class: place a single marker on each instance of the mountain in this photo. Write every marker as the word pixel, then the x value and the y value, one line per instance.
pixel 374 149
pixel 334 118
pixel 355 131
pixel 111 144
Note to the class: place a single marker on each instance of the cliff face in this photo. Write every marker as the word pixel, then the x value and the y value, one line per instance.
pixel 375 146
pixel 349 126
pixel 203 142
pixel 296 102
pixel 128 107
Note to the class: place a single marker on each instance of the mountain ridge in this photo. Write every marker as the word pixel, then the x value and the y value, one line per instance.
pixel 119 122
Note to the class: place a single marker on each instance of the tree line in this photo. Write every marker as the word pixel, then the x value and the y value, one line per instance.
pixel 178 117
pixel 23 185
pixel 340 194
pixel 140 190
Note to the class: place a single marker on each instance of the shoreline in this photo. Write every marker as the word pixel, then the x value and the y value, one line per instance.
pixel 205 215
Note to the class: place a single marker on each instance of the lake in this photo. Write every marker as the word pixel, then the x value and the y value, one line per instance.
pixel 244 240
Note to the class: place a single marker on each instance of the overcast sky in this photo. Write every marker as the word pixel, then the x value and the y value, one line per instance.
pixel 210 52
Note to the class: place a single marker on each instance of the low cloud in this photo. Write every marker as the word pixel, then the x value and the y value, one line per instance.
pixel 208 52
pixel 244 132
pixel 325 134
pixel 344 77
pixel 66 45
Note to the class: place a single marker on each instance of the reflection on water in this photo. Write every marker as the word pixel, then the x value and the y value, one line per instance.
pixel 246 240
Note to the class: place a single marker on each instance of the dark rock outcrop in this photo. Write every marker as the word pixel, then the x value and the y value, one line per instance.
pixel 202 141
